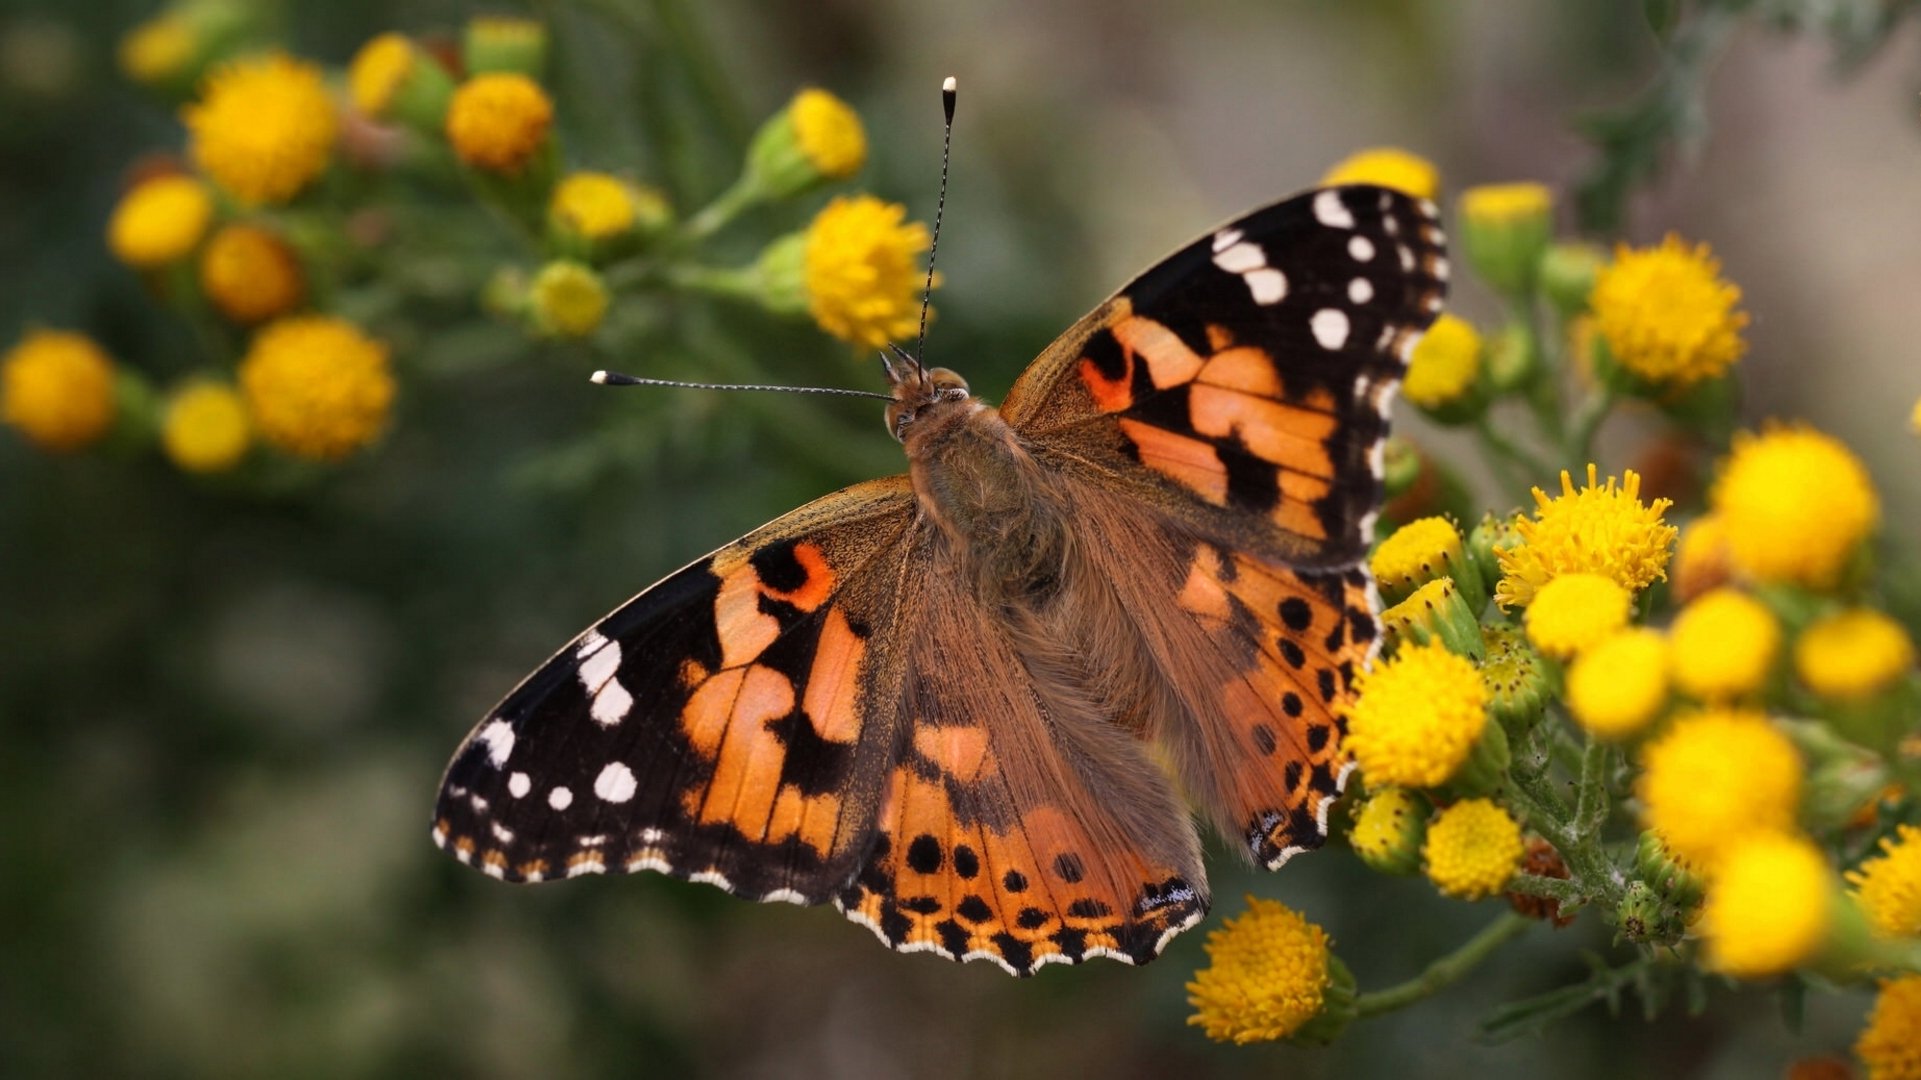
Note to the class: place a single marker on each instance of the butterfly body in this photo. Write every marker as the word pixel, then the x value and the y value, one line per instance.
pixel 970 705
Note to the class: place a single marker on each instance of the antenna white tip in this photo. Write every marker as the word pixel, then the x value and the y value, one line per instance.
pixel 949 86
pixel 599 377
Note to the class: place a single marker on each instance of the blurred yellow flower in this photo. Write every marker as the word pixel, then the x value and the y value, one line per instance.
pixel 264 127
pixel 205 428
pixel 1416 553
pixel 57 389
pixel 1852 654
pixel 1504 232
pixel 861 270
pixel 1601 529
pixel 1266 975
pixel 1723 645
pixel 1890 1046
pixel 1770 903
pixel 1574 611
pixel 1518 201
pixel 1416 717
pixel 592 205
pixel 1889 885
pixel 1715 777
pixel 1666 314
pixel 499 121
pixel 504 43
pixel 1796 503
pixel 1388 830
pixel 377 71
pixel 1473 847
pixel 250 274
pixel 829 133
pixel 1388 167
pixel 568 299
pixel 316 386
pixel 1446 361
pixel 159 221
pixel 159 50
pixel 1701 559
pixel 1616 687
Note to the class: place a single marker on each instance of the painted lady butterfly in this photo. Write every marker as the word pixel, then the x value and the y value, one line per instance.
pixel 964 704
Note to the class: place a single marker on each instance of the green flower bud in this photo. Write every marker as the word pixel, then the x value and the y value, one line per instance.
pixel 1670 878
pixel 1567 275
pixel 1645 918
pixel 1492 535
pixel 1504 230
pixel 568 299
pixel 1518 681
pixel 1420 552
pixel 1512 357
pixel 500 43
pixel 1485 770
pixel 1388 830
pixel 1436 612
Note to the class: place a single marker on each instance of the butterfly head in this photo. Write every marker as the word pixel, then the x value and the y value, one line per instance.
pixel 921 394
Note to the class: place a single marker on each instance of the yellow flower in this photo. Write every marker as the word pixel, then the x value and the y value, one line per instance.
pixel 1416 553
pixel 1600 529
pixel 1701 558
pixel 1890 1046
pixel 250 274
pixel 1446 361
pixel 1388 830
pixel 592 205
pixel 1506 202
pixel 1715 777
pixel 499 121
pixel 1504 233
pixel 205 428
pixel 1889 885
pixel 1796 503
pixel 57 389
pixel 861 270
pixel 316 386
pixel 377 71
pixel 829 134
pixel 1472 849
pixel 1266 975
pixel 503 43
pixel 1388 167
pixel 1769 906
pixel 1666 315
pixel 1416 717
pixel 159 221
pixel 1914 417
pixel 1852 654
pixel 159 50
pixel 1574 611
pixel 568 299
pixel 1723 645
pixel 1618 685
pixel 264 127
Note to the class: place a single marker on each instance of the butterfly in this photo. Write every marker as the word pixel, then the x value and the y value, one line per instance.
pixel 970 705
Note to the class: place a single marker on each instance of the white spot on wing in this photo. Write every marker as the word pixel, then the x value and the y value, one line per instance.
pixel 499 737
pixel 589 641
pixel 560 798
pixel 595 670
pixel 519 784
pixel 784 896
pixel 1268 285
pixel 1226 238
pixel 1360 290
pixel 1240 258
pixel 1330 327
pixel 1360 247
pixel 611 703
pixel 1331 211
pixel 616 783
pixel 712 877
pixel 504 835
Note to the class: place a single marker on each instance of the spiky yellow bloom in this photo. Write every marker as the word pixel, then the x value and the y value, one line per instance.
pixel 1388 167
pixel 1574 611
pixel 158 51
pixel 205 428
pixel 1472 849
pixel 1416 553
pixel 56 388
pixel 1666 314
pixel 592 205
pixel 1267 974
pixel 1889 885
pixel 829 133
pixel 1797 503
pixel 316 386
pixel 1446 361
pixel 377 71
pixel 1770 903
pixel 499 121
pixel 264 127
pixel 1715 777
pixel 1723 645
pixel 1416 717
pixel 159 220
pixel 251 274
pixel 1388 830
pixel 861 270
pixel 1890 1046
pixel 568 299
pixel 1701 559
pixel 1600 529
pixel 1852 654
pixel 1616 687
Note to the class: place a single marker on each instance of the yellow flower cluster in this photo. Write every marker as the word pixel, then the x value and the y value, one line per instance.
pixel 1889 885
pixel 1724 644
pixel 1616 687
pixel 1416 717
pixel 1267 975
pixel 57 389
pixel 498 121
pixel 1388 167
pixel 205 428
pixel 1769 905
pixel 1473 847
pixel 263 128
pixel 317 387
pixel 861 270
pixel 1575 610
pixel 1600 529
pixel 1890 1046
pixel 160 221
pixel 1853 654
pixel 1717 777
pixel 1666 314
pixel 1796 505
pixel 251 274
pixel 1445 364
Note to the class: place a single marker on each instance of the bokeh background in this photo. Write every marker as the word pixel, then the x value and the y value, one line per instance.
pixel 224 708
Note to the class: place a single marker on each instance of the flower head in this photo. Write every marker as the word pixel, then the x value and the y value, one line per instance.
pixel 504 43
pixel 1574 611
pixel 1472 849
pixel 1504 232
pixel 159 220
pixel 1701 557
pixel 1267 975
pixel 1724 645
pixel 1890 1046
pixel 1388 167
pixel 1416 553
pixel 499 121
pixel 264 127
pixel 1852 654
pixel 57 389
pixel 1796 503
pixel 251 274
pixel 205 428
pixel 1416 717
pixel 377 70
pixel 160 50
pixel 1388 830
pixel 1715 777
pixel 1889 885
pixel 1666 314
pixel 1436 611
pixel 1617 686
pixel 592 205
pixel 568 299
pixel 860 270
pixel 1517 681
pixel 1769 906
pixel 1601 529
pixel 1446 361
pixel 829 133
pixel 316 386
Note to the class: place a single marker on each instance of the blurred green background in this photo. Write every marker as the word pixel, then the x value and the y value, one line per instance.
pixel 224 710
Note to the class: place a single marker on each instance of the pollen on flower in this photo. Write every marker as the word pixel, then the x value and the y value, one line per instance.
pixel 1617 686
pixel 1889 885
pixel 1796 502
pixel 1600 529
pixel 1715 777
pixel 264 127
pixel 592 205
pixel 1574 611
pixel 1890 1046
pixel 1418 552
pixel 1445 363
pixel 1473 847
pixel 57 389
pixel 1388 167
pixel 1769 905
pixel 829 133
pixel 1416 717
pixel 1267 975
pixel 316 386
pixel 1666 314
pixel 205 428
pixel 1723 645
pixel 250 274
pixel 861 270
pixel 1852 654
pixel 498 121
pixel 159 221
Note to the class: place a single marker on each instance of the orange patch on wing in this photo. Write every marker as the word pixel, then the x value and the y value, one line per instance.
pixel 832 698
pixel 1296 513
pixel 1169 361
pixel 1218 337
pixel 961 751
pixel 744 631
pixel 693 673
pixel 1190 462
pixel 746 776
pixel 814 591
pixel 533 868
pixel 1203 593
pixel 1246 369
pixel 1110 395
pixel 812 819
pixel 1274 432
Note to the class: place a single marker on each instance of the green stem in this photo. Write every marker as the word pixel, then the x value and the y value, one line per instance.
pixel 716 215
pixel 1499 448
pixel 1551 888
pixel 1590 801
pixel 1587 423
pixel 1447 970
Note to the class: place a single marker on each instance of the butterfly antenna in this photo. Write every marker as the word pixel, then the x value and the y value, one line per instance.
pixel 949 89
pixel 615 378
